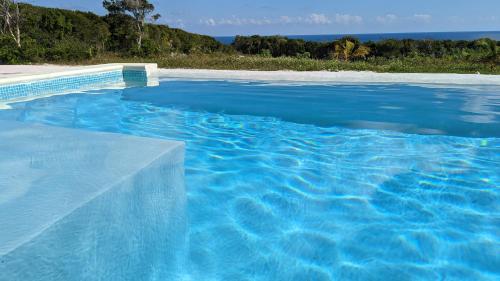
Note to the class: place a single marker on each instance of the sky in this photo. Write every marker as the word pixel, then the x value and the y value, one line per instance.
pixel 294 17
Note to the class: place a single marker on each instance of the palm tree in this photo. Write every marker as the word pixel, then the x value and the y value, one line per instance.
pixel 348 49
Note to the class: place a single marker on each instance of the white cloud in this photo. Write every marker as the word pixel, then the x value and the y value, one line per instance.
pixel 318 19
pixel 348 19
pixel 314 19
pixel 209 22
pixel 387 19
pixel 175 22
pixel 235 21
pixel 391 18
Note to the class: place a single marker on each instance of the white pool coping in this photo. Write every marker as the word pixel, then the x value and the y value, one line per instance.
pixel 26 69
pixel 12 74
pixel 23 73
pixel 333 77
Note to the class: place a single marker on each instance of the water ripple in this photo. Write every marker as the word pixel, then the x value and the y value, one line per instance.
pixel 276 200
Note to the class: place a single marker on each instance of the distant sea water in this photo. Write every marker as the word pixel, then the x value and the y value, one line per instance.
pixel 467 35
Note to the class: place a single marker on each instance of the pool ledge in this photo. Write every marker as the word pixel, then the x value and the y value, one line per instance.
pixel 54 177
pixel 22 83
pixel 26 73
pixel 333 77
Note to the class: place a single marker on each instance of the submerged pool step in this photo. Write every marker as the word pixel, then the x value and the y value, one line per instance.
pixel 22 87
pixel 79 205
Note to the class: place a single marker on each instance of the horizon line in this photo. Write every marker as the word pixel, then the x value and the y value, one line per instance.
pixel 368 33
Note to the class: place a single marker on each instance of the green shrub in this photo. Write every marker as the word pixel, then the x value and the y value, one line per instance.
pixel 305 55
pixel 32 51
pixel 61 35
pixel 266 53
pixel 9 52
pixel 69 50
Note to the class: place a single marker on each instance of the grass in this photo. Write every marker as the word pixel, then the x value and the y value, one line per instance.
pixel 238 62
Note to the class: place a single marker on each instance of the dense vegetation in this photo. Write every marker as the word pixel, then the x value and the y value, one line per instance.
pixel 62 36
pixel 482 50
pixel 255 62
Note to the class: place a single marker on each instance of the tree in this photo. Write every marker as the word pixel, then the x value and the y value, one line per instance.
pixel 348 48
pixel 138 9
pixel 10 20
pixel 489 48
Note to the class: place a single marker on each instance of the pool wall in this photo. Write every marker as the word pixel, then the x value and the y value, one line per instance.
pixel 78 205
pixel 124 234
pixel 100 76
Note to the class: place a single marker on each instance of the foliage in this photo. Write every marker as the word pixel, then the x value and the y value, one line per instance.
pixel 56 35
pixel 347 48
pixel 137 9
pixel 53 35
pixel 350 48
pixel 9 52
pixel 10 20
pixel 276 46
pixel 257 62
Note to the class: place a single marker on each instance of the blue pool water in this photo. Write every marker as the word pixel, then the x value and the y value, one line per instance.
pixel 318 182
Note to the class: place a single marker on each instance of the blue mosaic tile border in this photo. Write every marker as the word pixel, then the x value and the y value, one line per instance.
pixel 43 87
pixel 48 86
pixel 135 75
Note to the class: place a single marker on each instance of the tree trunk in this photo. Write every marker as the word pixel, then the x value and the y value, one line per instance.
pixel 139 39
pixel 18 31
pixel 12 24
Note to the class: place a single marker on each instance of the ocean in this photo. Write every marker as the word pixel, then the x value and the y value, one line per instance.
pixel 467 35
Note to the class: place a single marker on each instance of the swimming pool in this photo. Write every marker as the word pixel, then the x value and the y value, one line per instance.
pixel 316 181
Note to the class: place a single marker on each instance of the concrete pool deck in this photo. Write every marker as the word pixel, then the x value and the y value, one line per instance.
pixel 26 73
pixel 27 82
pixel 17 71
pixel 334 77
pixel 9 71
